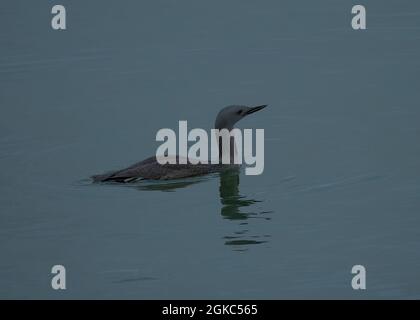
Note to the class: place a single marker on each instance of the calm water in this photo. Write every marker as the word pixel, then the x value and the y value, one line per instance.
pixel 342 173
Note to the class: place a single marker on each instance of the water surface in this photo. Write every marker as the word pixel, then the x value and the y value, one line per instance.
pixel 341 182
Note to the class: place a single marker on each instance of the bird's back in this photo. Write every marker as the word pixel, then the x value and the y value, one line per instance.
pixel 150 168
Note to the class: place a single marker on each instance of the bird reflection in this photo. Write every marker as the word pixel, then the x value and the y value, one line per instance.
pixel 230 198
pixel 235 207
pixel 232 209
pixel 167 187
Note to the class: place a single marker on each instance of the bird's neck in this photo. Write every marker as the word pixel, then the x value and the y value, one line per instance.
pixel 232 147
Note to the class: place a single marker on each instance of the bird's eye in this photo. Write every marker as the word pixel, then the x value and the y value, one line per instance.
pixel 239 112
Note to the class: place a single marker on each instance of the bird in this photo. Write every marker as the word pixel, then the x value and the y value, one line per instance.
pixel 151 169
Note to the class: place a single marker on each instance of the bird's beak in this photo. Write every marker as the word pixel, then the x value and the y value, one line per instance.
pixel 255 109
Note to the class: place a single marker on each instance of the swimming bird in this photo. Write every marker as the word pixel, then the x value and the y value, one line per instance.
pixel 151 169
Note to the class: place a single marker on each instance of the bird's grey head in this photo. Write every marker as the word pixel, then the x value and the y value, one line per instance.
pixel 228 116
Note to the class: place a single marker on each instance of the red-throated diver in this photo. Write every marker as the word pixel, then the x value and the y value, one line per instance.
pixel 150 168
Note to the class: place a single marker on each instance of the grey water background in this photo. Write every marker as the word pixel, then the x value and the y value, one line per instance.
pixel 341 182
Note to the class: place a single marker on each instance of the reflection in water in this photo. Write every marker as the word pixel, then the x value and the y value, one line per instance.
pixel 232 204
pixel 167 186
pixel 230 198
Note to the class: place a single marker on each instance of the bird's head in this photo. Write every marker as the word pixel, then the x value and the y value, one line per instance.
pixel 228 116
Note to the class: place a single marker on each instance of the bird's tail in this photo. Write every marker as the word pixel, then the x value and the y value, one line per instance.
pixel 103 177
